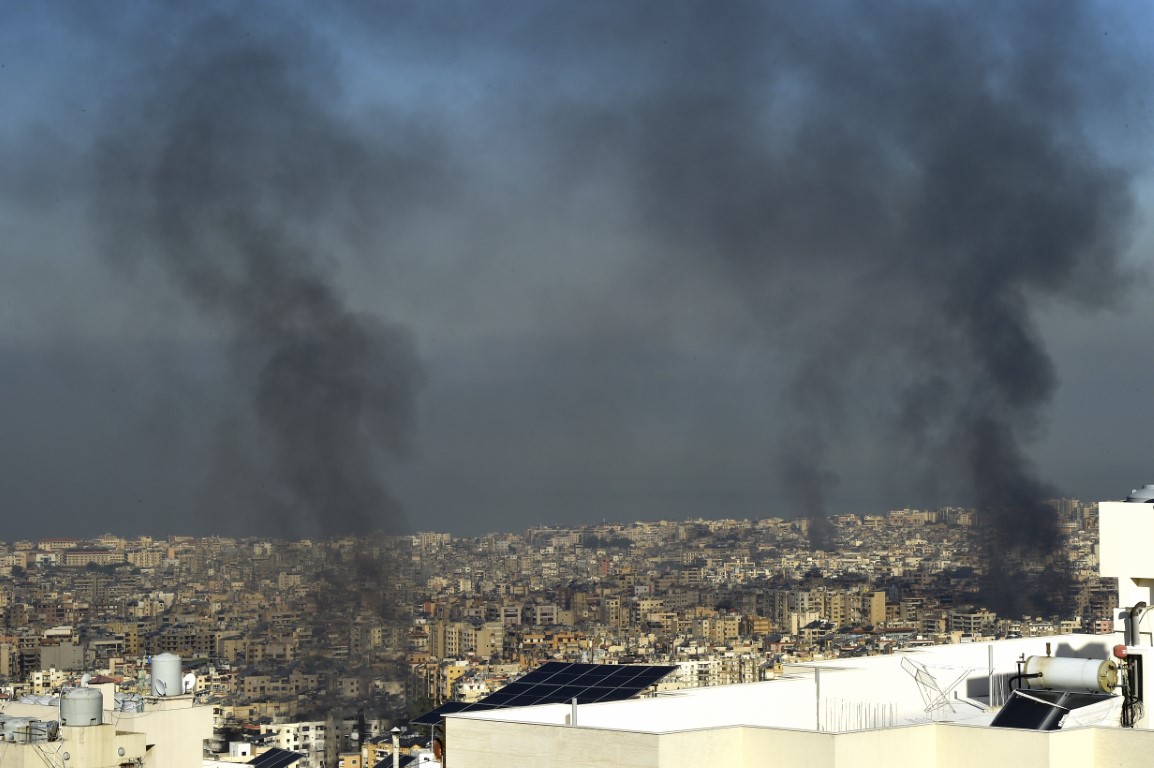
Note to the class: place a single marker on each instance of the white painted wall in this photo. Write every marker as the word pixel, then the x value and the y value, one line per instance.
pixel 174 727
pixel 494 744
pixel 87 747
pixel 1125 540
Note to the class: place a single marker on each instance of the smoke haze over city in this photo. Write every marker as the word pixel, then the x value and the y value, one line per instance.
pixel 301 270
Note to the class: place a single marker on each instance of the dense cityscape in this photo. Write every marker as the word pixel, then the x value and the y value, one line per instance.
pixel 356 308
pixel 311 645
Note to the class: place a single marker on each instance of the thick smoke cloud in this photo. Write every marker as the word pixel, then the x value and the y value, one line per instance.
pixel 881 199
pixel 233 172
pixel 894 193
pixel 895 196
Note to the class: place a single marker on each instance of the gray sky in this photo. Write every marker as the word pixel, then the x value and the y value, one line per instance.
pixel 266 267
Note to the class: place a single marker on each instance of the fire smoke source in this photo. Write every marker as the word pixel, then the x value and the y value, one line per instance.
pixel 233 173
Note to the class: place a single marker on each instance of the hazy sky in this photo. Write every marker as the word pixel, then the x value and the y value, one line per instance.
pixel 302 268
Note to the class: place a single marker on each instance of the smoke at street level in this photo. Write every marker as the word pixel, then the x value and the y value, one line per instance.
pixel 232 173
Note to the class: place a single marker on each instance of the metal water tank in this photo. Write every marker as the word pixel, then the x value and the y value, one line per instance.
pixel 167 678
pixel 1060 673
pixel 81 707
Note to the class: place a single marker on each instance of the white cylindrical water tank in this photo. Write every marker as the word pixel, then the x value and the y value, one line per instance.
pixel 1054 673
pixel 166 675
pixel 81 707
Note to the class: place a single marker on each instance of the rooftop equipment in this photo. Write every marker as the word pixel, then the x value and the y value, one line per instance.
pixel 1143 495
pixel 557 682
pixel 81 707
pixel 28 730
pixel 128 702
pixel 1064 674
pixel 167 677
pixel 1040 710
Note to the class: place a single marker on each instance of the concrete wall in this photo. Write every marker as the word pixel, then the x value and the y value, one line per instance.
pixel 65 656
pixel 1119 748
pixel 1125 533
pixel 496 744
pixel 906 747
pixel 86 747
pixel 493 744
pixel 695 749
pixel 173 727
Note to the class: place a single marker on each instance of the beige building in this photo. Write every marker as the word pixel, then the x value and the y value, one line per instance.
pixel 97 746
pixel 81 557
pixel 169 733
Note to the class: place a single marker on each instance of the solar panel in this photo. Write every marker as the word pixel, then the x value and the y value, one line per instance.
pixel 1033 710
pixel 435 716
pixel 275 758
pixel 556 682
pixel 388 762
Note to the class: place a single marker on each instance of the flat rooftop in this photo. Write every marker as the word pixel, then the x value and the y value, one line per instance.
pixel 841 695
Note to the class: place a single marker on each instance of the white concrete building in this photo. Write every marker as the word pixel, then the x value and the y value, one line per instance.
pixel 923 708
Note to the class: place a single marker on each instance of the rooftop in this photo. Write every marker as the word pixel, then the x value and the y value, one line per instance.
pixel 930 706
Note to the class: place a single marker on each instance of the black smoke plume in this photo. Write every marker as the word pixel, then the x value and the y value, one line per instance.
pixel 894 192
pixel 233 171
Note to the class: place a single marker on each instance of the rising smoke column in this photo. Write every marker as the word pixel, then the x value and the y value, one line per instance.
pixel 233 171
pixel 893 192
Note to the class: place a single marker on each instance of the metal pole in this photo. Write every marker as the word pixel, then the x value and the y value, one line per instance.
pixel 990 676
pixel 817 687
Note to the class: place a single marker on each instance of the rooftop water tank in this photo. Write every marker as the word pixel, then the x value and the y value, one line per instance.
pixel 81 707
pixel 166 675
pixel 1052 672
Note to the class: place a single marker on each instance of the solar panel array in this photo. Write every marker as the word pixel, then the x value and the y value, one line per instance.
pixel 388 762
pixel 275 758
pixel 558 682
pixel 1035 710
